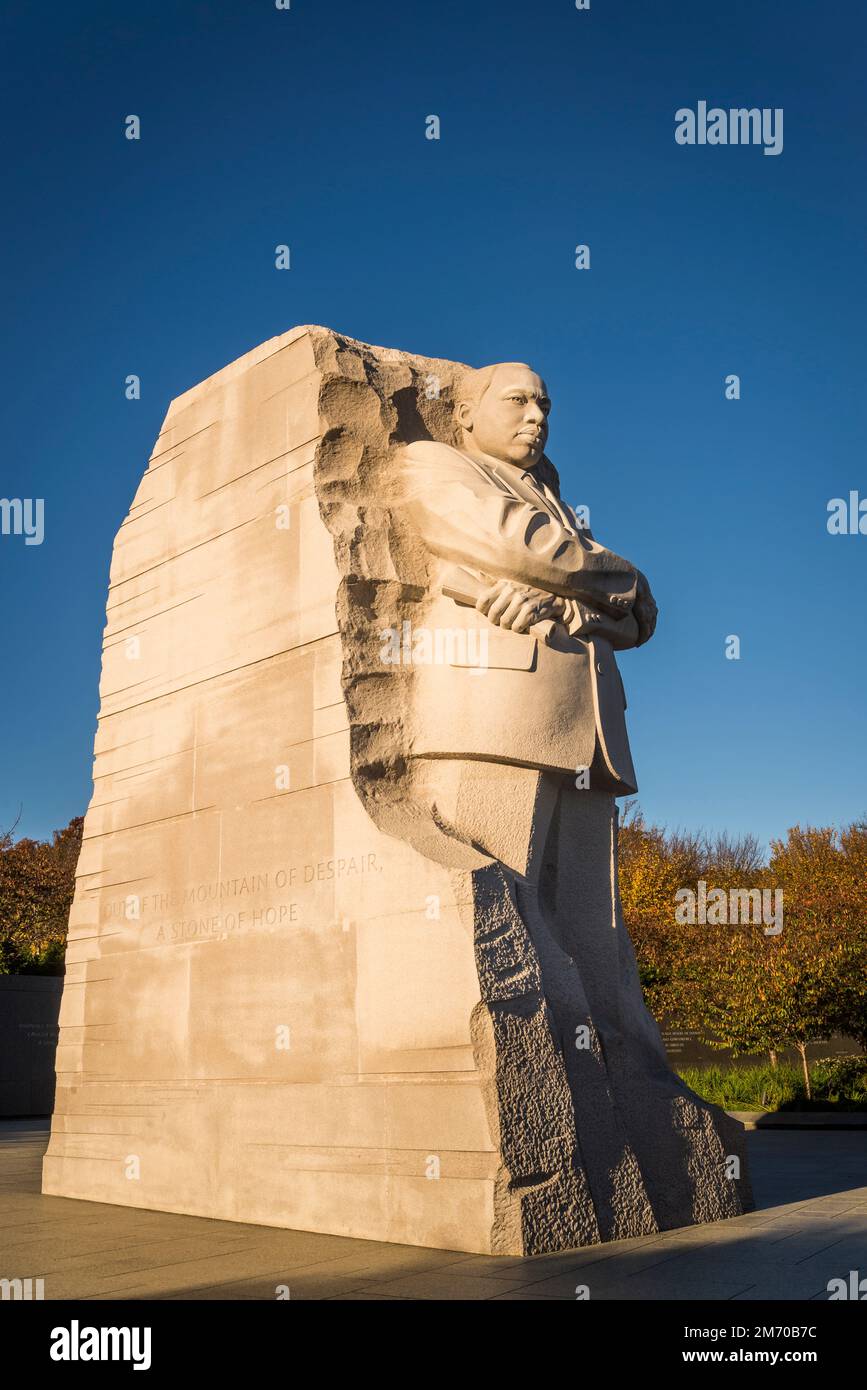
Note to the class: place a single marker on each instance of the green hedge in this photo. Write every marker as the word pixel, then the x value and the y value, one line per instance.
pixel 838 1083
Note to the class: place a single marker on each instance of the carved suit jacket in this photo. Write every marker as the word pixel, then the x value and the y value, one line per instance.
pixel 551 698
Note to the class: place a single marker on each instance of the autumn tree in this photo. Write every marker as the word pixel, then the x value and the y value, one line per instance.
pixel 37 881
pixel 738 986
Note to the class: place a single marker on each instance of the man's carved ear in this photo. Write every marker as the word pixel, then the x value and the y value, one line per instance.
pixel 464 412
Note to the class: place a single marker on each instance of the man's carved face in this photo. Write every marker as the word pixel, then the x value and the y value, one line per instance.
pixel 510 422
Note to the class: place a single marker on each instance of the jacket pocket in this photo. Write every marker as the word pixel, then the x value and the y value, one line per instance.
pixel 496 648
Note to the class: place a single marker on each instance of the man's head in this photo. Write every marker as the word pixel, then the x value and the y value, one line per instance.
pixel 503 412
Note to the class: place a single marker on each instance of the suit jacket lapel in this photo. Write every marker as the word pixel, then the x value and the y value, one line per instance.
pixel 536 493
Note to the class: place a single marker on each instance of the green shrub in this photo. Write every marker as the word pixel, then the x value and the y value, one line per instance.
pixel 837 1082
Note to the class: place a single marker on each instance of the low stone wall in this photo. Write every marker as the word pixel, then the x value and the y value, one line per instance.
pixel 29 1007
pixel 685 1049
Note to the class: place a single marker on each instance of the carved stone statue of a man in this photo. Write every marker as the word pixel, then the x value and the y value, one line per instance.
pixel 519 750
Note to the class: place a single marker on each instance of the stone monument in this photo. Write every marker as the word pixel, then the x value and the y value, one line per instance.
pixel 346 952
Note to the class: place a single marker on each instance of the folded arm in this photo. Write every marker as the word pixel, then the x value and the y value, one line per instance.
pixel 475 520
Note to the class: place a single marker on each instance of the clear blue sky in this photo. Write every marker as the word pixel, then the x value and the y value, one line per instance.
pixel 307 127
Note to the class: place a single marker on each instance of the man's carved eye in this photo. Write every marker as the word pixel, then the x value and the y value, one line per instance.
pixel 522 400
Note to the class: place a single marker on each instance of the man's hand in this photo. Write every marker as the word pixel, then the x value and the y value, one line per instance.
pixel 518 606
pixel 644 610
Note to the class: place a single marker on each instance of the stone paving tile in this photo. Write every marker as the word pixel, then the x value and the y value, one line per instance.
pixel 175 1275
pixel 446 1287
pixel 782 1287
pixel 790 1282
pixel 527 1295
pixel 170 1267
pixel 264 1290
pixel 72 1251
pixel 137 1274
pixel 587 1256
pixel 649 1290
pixel 837 1206
pixel 621 1266
pixel 365 1298
pixel 616 1273
pixel 839 1257
pixel 628 1290
pixel 398 1260
pixel 531 1271
pixel 306 1283
pixel 29 1224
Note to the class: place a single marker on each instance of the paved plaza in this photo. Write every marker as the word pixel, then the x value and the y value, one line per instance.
pixel 810 1226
